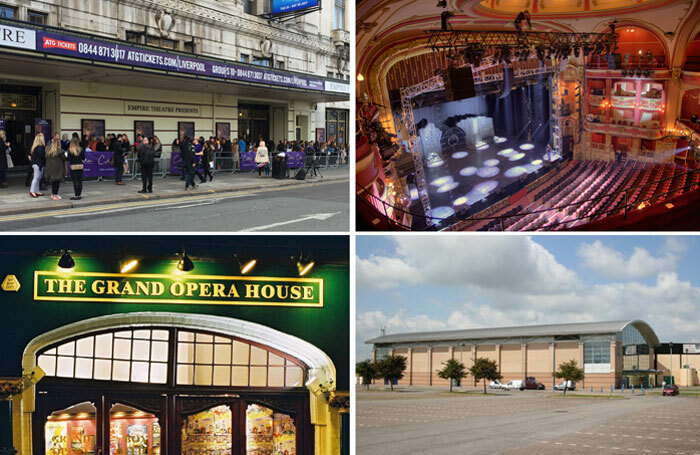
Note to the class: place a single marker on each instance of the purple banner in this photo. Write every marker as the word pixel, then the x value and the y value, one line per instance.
pixel 248 161
pixel 295 160
pixel 176 163
pixel 55 43
pixel 96 164
pixel 43 125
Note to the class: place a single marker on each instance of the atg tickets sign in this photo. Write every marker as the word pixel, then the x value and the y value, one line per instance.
pixel 190 289
pixel 288 6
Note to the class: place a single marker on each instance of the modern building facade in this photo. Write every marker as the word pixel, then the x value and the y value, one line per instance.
pixel 166 67
pixel 198 356
pixel 611 353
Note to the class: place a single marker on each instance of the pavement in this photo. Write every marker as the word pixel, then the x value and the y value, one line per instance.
pixel 16 200
pixel 525 423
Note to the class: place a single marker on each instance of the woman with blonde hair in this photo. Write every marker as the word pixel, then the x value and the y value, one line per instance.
pixel 55 167
pixel 37 158
pixel 76 156
pixel 4 159
pixel 262 158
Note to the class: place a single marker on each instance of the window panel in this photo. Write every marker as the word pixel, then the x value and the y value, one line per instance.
pixel 65 367
pixel 159 373
pixel 67 349
pixel 122 349
pixel 239 376
pixel 51 351
pixel 48 364
pixel 276 360
pixel 141 349
pixel 139 372
pixel 123 334
pixel 204 338
pixel 159 351
pixel 295 376
pixel 84 347
pixel 142 334
pixel 160 335
pixel 103 346
pixel 204 353
pixel 222 354
pixel 258 376
pixel 276 377
pixel 103 369
pixel 185 374
pixel 240 353
pixel 185 353
pixel 185 336
pixel 202 375
pixel 83 368
pixel 258 356
pixel 120 370
pixel 222 375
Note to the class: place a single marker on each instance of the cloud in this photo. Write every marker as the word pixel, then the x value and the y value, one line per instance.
pixel 510 263
pixel 610 263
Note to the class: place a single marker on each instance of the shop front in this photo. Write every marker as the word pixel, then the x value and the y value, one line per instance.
pixel 177 355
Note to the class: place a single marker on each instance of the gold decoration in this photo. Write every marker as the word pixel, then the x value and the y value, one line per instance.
pixel 676 73
pixel 10 284
pixel 10 387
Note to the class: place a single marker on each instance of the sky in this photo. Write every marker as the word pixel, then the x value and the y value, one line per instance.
pixel 414 283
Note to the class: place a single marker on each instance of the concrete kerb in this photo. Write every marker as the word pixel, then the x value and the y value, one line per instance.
pixel 5 211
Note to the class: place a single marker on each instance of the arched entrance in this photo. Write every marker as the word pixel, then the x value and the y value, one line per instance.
pixel 170 383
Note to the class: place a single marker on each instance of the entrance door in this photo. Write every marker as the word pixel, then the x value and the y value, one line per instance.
pixel 254 122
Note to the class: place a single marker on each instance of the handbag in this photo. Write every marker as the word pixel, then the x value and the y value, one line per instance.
pixel 76 167
pixel 10 164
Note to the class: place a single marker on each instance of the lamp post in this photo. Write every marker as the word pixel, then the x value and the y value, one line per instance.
pixel 670 346
pixel 687 367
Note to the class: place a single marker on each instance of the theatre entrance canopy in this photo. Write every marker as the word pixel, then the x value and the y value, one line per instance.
pixel 176 355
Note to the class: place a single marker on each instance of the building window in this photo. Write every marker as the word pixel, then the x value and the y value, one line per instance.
pixel 381 352
pixel 330 74
pixel 262 61
pixel 339 16
pixel 279 65
pixel 245 58
pixel 249 6
pixel 134 37
pixel 596 352
pixel 189 47
pixel 36 18
pixel 8 12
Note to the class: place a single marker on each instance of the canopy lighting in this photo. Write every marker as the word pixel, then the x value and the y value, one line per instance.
pixel 127 266
pixel 305 268
pixel 248 266
pixel 66 263
pixel 185 264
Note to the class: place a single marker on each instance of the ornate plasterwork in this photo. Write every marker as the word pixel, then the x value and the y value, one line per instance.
pixel 252 26
pixel 165 22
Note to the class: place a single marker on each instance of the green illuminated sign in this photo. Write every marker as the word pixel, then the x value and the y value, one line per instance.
pixel 188 289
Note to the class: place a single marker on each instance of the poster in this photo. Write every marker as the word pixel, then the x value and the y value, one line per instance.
pixel 115 439
pixel 223 130
pixel 77 433
pixel 185 129
pixel 92 127
pixel 43 125
pixel 208 432
pixel 56 434
pixel 137 439
pixel 143 127
pixel 320 135
pixel 2 123
pixel 284 437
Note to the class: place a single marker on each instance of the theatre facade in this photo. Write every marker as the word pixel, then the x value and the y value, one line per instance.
pixel 118 345
pixel 264 69
pixel 610 353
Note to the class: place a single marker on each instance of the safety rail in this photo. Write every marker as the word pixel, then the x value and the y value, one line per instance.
pixel 502 218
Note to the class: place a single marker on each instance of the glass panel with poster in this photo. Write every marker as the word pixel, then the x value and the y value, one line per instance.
pixel 71 431
pixel 133 432
pixel 269 432
pixel 208 432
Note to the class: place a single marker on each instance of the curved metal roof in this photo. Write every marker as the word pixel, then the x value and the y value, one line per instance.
pixel 579 328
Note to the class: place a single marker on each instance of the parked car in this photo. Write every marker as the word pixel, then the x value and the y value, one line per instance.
pixel 569 385
pixel 532 384
pixel 496 385
pixel 670 390
pixel 515 385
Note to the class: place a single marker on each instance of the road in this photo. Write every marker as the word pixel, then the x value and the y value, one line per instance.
pixel 526 423
pixel 322 207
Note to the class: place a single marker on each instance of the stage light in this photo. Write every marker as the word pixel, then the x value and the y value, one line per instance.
pixel 577 52
pixel 305 268
pixel 185 263
pixel 248 266
pixel 442 212
pixel 447 187
pixel 360 77
pixel 66 262
pixel 441 4
pixel 129 265
pixel 460 200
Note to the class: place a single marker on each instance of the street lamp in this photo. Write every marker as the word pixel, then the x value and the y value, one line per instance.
pixel 670 346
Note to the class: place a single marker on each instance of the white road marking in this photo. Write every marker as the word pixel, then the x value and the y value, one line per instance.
pixel 316 216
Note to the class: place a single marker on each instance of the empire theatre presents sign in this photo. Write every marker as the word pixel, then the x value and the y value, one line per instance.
pixel 191 289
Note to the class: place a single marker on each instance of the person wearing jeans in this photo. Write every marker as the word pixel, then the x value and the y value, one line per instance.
pixel 76 156
pixel 37 159
pixel 146 156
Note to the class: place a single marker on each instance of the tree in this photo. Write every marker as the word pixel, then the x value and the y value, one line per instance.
pixel 484 369
pixel 391 368
pixel 569 371
pixel 453 370
pixel 367 371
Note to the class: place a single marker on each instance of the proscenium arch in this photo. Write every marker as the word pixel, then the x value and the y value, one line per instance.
pixel 321 371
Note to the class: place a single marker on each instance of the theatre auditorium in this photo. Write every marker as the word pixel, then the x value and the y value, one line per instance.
pixel 515 115
pixel 612 353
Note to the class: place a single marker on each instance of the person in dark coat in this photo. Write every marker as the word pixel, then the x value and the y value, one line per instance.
pixel 76 156
pixel 146 157
pixel 117 149
pixel 37 160
pixel 4 152
pixel 55 167
pixel 188 163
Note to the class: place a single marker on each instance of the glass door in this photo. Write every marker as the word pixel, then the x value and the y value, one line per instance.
pixel 133 431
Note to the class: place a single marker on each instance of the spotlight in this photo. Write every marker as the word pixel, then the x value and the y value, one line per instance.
pixel 305 268
pixel 185 264
pixel 66 263
pixel 127 266
pixel 246 266
pixel 360 77
pixel 441 4
pixel 577 52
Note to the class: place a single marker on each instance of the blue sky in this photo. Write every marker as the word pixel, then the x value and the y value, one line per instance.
pixel 412 283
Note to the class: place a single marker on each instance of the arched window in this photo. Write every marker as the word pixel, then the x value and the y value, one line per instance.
pixel 148 355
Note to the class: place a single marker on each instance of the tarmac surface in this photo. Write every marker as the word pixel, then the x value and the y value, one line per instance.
pixel 528 422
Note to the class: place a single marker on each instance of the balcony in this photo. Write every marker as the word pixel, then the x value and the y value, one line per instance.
pixel 340 37
pixel 626 128
pixel 622 100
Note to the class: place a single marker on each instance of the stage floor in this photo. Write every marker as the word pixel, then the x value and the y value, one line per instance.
pixel 460 177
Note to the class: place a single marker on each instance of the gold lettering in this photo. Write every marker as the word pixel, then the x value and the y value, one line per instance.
pixel 232 292
pixel 79 287
pixel 112 287
pixel 296 292
pixel 50 282
pixel 308 292
pixel 204 289
pixel 191 287
pixel 157 288
pixel 177 289
pixel 127 289
pixel 252 291
pixel 282 291
pixel 64 286
pixel 142 288
pixel 219 290
pixel 98 287
pixel 268 291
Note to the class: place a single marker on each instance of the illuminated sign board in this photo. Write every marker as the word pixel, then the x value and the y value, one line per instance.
pixel 185 289
pixel 290 6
